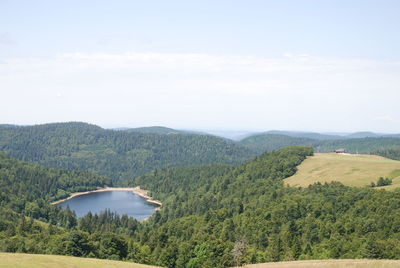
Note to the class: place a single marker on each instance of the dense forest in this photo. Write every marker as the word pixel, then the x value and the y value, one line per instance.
pixel 369 145
pixel 248 216
pixel 127 153
pixel 261 143
pixel 212 216
pixel 391 152
pixel 29 189
pixel 115 154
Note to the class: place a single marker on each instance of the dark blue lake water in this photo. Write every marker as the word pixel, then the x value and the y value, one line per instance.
pixel 121 202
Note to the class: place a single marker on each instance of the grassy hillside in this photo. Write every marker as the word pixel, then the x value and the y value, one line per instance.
pixel 329 264
pixel 19 260
pixel 116 154
pixel 351 170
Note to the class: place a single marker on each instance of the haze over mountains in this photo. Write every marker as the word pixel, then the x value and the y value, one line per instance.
pixel 128 153
pixel 241 134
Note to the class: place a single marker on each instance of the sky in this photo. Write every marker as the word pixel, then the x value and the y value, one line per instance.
pixel 327 66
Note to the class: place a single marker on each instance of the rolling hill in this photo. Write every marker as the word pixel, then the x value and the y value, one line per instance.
pixel 309 135
pixel 212 216
pixel 265 142
pixel 351 170
pixel 155 130
pixel 117 154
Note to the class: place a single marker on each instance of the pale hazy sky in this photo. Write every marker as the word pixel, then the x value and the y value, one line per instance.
pixel 254 65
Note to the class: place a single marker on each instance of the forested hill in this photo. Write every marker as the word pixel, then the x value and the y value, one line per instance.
pixel 116 154
pixel 28 188
pixel 155 129
pixel 125 154
pixel 212 216
pixel 29 223
pixel 246 215
pixel 266 142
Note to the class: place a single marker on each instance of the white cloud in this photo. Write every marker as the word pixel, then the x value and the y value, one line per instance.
pixel 201 90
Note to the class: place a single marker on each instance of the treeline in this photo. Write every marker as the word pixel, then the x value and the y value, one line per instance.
pixel 392 152
pixel 385 146
pixel 116 154
pixel 382 182
pixel 262 143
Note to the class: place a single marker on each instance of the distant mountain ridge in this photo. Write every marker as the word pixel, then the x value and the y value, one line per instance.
pixel 239 135
pixel 323 136
pixel 266 142
pixel 309 135
pixel 126 153
pixel 269 142
pixel 155 130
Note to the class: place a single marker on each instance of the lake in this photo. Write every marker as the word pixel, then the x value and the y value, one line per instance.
pixel 121 202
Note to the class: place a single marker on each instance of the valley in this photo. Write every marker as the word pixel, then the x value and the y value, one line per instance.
pixel 199 134
pixel 230 209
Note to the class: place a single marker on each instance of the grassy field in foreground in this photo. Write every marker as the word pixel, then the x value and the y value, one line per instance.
pixel 330 264
pixel 20 260
pixel 352 170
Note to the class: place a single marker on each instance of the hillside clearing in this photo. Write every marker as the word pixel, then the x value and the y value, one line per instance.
pixel 329 264
pixel 21 260
pixel 349 169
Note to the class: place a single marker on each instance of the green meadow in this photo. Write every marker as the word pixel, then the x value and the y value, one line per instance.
pixel 349 169
pixel 21 260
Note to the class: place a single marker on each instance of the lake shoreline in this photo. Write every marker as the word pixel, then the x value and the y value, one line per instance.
pixel 136 190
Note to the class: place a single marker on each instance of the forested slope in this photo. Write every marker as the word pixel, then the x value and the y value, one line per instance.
pixel 30 224
pixel 360 145
pixel 155 130
pixel 266 142
pixel 392 152
pixel 247 215
pixel 116 154
pixel 30 188
pixel 379 145
pixel 212 216
pixel 126 154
